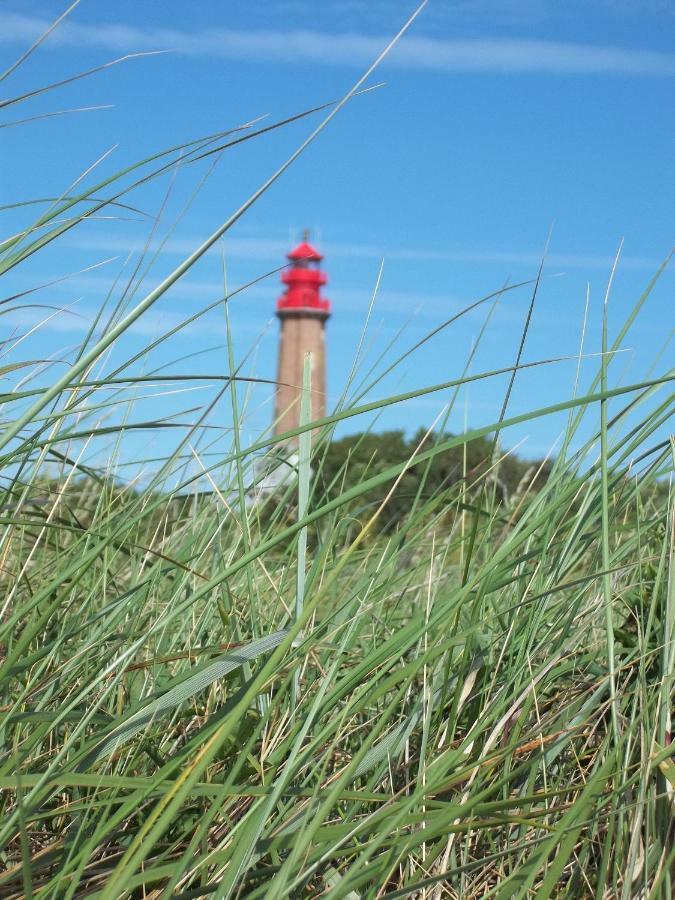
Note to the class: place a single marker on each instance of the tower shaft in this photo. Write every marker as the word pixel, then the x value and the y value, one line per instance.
pixel 300 333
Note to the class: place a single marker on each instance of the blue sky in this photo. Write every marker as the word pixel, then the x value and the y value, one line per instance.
pixel 498 121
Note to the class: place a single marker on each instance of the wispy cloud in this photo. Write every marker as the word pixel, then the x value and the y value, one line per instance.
pixel 272 251
pixel 505 55
pixel 256 303
pixel 151 325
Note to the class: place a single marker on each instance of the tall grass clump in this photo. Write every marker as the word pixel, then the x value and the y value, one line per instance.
pixel 211 690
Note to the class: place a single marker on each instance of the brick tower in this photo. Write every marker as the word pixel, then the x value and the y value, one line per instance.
pixel 303 313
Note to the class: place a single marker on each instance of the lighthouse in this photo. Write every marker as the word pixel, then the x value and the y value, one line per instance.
pixel 302 313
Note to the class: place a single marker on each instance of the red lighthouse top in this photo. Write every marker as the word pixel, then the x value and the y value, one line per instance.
pixel 303 280
pixel 304 251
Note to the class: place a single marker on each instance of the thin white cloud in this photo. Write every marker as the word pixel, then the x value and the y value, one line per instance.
pixel 150 325
pixel 272 251
pixel 267 249
pixel 201 290
pixel 505 55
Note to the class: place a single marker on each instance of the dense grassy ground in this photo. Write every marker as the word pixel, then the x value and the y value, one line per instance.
pixel 208 697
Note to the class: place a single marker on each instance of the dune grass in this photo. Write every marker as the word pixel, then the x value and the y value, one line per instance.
pixel 204 696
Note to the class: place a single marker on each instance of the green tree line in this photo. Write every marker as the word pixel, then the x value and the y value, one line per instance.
pixel 350 460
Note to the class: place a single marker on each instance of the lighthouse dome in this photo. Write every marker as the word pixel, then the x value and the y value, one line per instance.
pixel 305 252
